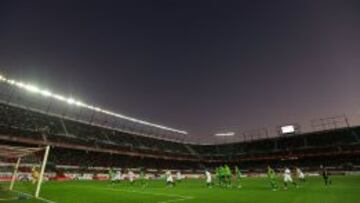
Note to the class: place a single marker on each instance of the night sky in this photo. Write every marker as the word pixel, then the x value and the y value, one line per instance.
pixel 194 65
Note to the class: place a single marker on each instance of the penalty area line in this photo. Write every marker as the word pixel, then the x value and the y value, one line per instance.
pixel 179 198
pixel 8 199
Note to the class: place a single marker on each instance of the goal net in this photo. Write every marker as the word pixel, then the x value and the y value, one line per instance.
pixel 21 171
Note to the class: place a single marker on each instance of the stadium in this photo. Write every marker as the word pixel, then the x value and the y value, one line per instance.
pixel 76 146
pixel 143 101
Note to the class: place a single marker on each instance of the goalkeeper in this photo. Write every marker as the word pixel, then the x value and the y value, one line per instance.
pixel 35 175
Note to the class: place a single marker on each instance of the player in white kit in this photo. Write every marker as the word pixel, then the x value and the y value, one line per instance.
pixel 131 177
pixel 179 177
pixel 117 177
pixel 300 175
pixel 288 178
pixel 169 179
pixel 208 179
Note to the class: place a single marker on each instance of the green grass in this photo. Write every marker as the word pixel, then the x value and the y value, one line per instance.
pixel 345 189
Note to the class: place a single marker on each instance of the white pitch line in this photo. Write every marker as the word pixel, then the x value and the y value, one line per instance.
pixel 9 199
pixel 179 197
pixel 176 200
pixel 30 195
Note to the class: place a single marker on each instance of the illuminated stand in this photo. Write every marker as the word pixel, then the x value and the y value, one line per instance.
pixel 18 153
pixel 32 97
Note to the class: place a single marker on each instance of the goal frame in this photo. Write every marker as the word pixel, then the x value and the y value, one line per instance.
pixel 18 152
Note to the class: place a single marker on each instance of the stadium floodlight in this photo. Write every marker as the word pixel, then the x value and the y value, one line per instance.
pixel 46 93
pixel 32 88
pixel 79 103
pixel 71 101
pixel 59 97
pixel 20 84
pixel 226 134
pixel 287 129
pixel 98 109
pixel 11 81
pixel 92 107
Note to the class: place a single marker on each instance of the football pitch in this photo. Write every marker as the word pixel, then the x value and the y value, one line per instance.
pixel 345 189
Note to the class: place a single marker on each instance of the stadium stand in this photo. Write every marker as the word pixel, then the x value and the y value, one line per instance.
pixel 75 142
pixel 34 125
pixel 88 137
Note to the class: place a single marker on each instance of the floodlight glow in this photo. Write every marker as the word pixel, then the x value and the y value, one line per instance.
pixel 71 101
pixel 59 97
pixel 46 93
pixel 20 84
pixel 90 107
pixel 78 103
pixel 97 109
pixel 227 134
pixel 32 88
pixel 287 129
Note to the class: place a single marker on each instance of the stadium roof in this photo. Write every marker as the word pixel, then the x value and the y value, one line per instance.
pixel 71 101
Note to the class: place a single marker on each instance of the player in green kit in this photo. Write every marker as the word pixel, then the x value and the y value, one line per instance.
pixel 238 176
pixel 222 176
pixel 272 177
pixel 142 178
pixel 217 171
pixel 227 176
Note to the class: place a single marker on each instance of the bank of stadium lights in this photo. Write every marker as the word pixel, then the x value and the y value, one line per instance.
pixel 72 101
pixel 226 134
pixel 287 129
pixel 46 93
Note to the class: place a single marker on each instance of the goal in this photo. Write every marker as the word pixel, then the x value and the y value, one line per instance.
pixel 22 170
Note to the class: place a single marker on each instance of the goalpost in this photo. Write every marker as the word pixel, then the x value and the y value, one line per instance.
pixel 13 157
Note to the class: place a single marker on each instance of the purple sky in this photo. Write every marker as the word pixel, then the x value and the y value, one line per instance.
pixel 198 66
